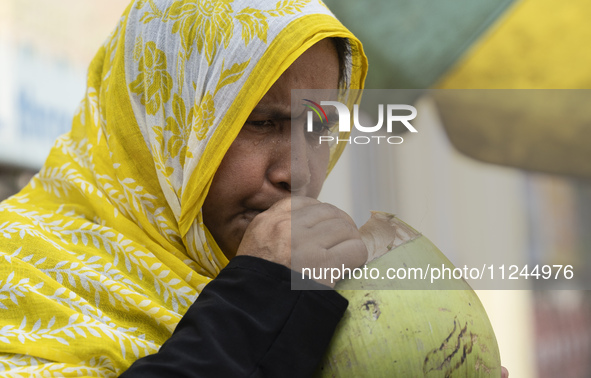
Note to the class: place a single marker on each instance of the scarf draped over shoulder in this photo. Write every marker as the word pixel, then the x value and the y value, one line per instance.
pixel 105 250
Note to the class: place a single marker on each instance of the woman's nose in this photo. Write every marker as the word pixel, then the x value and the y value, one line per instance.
pixel 291 167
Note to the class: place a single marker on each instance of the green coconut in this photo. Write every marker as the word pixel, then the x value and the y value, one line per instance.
pixel 401 328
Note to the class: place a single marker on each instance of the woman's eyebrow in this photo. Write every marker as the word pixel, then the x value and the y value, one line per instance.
pixel 272 110
pixel 283 112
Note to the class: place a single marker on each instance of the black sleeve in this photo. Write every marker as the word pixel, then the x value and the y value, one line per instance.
pixel 248 322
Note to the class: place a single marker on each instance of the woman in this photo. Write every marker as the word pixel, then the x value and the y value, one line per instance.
pixel 178 161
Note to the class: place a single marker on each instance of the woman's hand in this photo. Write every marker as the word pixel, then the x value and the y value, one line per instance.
pixel 504 372
pixel 301 232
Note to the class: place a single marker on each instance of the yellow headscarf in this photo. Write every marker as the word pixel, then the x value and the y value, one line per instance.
pixel 105 250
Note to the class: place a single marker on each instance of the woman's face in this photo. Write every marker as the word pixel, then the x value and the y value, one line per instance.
pixel 271 159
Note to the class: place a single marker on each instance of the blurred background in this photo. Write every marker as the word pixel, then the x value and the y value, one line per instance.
pixel 498 181
pixel 459 184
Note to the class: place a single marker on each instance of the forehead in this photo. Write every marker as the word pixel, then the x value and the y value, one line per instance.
pixel 316 68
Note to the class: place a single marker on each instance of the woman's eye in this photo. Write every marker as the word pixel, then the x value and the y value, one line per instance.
pixel 321 128
pixel 265 123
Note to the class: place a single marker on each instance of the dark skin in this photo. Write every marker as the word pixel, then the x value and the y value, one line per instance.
pixel 276 196
pixel 267 184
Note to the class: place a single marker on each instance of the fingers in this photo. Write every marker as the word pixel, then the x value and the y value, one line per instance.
pixel 504 372
pixel 293 203
pixel 328 232
pixel 323 236
pixel 349 253
pixel 315 211
pixel 301 232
